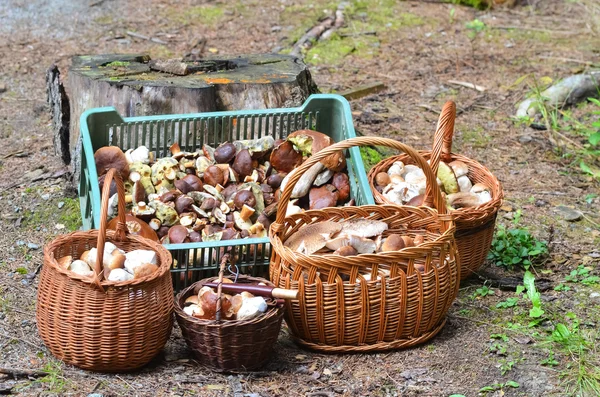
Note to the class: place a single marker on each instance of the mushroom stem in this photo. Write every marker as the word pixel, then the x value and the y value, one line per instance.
pixel 305 182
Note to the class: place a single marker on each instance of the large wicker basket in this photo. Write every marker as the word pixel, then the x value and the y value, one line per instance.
pixel 474 225
pixel 397 310
pixel 97 324
pixel 230 345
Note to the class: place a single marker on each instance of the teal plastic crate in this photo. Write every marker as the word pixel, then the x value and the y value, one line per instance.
pixel 329 114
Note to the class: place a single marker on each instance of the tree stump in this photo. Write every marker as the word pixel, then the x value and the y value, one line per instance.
pixel 137 86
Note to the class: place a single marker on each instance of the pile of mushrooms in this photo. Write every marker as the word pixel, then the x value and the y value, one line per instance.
pixel 242 306
pixel 405 184
pixel 222 193
pixel 117 264
pixel 352 237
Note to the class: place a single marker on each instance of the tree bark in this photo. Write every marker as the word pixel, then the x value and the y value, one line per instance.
pixel 60 110
pixel 131 84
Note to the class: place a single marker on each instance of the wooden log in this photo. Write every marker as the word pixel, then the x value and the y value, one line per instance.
pixel 60 111
pixel 129 83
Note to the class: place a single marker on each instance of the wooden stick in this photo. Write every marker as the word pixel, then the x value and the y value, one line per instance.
pixel 588 63
pixel 141 36
pixel 16 372
pixel 467 85
pixel 21 340
pixel 364 90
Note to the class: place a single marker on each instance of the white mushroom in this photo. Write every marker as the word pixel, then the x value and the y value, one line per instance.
pixel 483 192
pixel 364 227
pixel 82 268
pixel 241 223
pixel 251 307
pixel 464 183
pixel 363 245
pixel 396 169
pixel 136 258
pixel 140 154
pixel 120 275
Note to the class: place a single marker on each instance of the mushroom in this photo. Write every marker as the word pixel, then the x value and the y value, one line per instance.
pixel 408 241
pixel 462 200
pixel 119 275
pixel 335 243
pixel 136 258
pixel 142 211
pixel 202 163
pixel 446 175
pixel 419 239
pixel 108 157
pixel 192 183
pixel 155 224
pixel 178 234
pixel 323 177
pixel 244 197
pixel 483 192
pixel 183 204
pixel 342 184
pixel 176 152
pixel 246 212
pixel 382 179
pixel 256 147
pixel 396 179
pixel 166 214
pixel 140 154
pixel 214 176
pixel 195 237
pixel 209 152
pixel 305 182
pixel 65 261
pixel 459 168
pixel 274 180
pixel 393 242
pixel 241 223
pixel 164 172
pixel 188 219
pixel 242 164
pixel 311 238
pixel 346 250
pixel 292 208
pixel 464 183
pixel 396 169
pixel 402 192
pixel 311 142
pixel 416 201
pixel 284 158
pixel 251 307
pixel 82 268
pixel 225 152
pixel 323 197
pixel 145 269
pixel 363 227
pixel 362 245
pixel 114 261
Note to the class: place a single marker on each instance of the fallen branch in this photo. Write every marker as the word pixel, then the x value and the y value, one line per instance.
pixel 567 92
pixel 19 372
pixel 369 33
pixel 322 31
pixel 364 90
pixel 587 63
pixel 141 36
pixel 467 85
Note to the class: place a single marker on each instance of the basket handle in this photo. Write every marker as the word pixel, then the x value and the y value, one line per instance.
pixel 432 188
pixel 442 142
pixel 224 261
pixel 121 229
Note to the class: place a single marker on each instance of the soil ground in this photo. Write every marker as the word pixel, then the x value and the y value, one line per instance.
pixel 417 49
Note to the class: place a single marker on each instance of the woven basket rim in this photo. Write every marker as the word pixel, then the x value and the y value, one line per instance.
pixel 440 240
pixel 66 239
pixel 457 214
pixel 273 311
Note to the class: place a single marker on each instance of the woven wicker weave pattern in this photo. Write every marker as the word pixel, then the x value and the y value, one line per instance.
pixel 101 325
pixel 338 309
pixel 474 226
pixel 229 345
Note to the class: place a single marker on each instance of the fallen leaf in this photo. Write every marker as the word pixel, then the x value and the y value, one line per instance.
pixel 523 339
pixel 327 372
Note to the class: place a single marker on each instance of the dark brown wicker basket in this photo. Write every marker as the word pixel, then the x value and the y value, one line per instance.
pixel 230 345
pixel 97 324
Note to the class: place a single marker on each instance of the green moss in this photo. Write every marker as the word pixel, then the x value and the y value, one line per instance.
pixel 207 15
pixel 334 50
pixel 380 15
pixel 104 20
pixel 70 215
pixel 479 4
pixel 21 270
pixel 370 157
pixel 117 64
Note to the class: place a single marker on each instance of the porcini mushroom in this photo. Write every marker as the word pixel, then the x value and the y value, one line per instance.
pixel 311 238
pixel 225 152
pixel 323 197
pixel 393 242
pixel 242 164
pixel 310 142
pixel 119 275
pixel 363 227
pixel 342 184
pixel 108 157
pixel 284 158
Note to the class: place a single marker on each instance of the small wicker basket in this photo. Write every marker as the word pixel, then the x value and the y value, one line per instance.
pixel 396 309
pixel 230 345
pixel 474 225
pixel 101 325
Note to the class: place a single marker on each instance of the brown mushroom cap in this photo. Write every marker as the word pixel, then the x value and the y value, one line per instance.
pixel 242 164
pixel 312 142
pixel 108 157
pixel 225 152
pixel 393 242
pixel 416 201
pixel 143 270
pixel 194 183
pixel 285 158
pixel 342 184
pixel 177 234
pixel 312 236
pixel 183 204
pixel 244 197
pixel 346 250
pixel 214 176
pixel 382 179
pixel 195 237
pixel 322 197
pixel 274 180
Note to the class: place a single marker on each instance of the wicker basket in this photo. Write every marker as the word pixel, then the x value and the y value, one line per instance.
pixel 230 345
pixel 97 324
pixel 399 309
pixel 474 225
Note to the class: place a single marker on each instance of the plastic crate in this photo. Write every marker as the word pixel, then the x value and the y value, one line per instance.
pixel 329 114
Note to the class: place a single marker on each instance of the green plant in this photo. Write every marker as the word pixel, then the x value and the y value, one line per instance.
pixel 582 275
pixel 498 348
pixel 516 246
pixel 562 287
pixel 499 386
pixel 22 270
pixel 507 365
pixel 533 295
pixel 483 291
pixel 475 27
pixel 550 361
pixel 509 302
pixel 503 337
